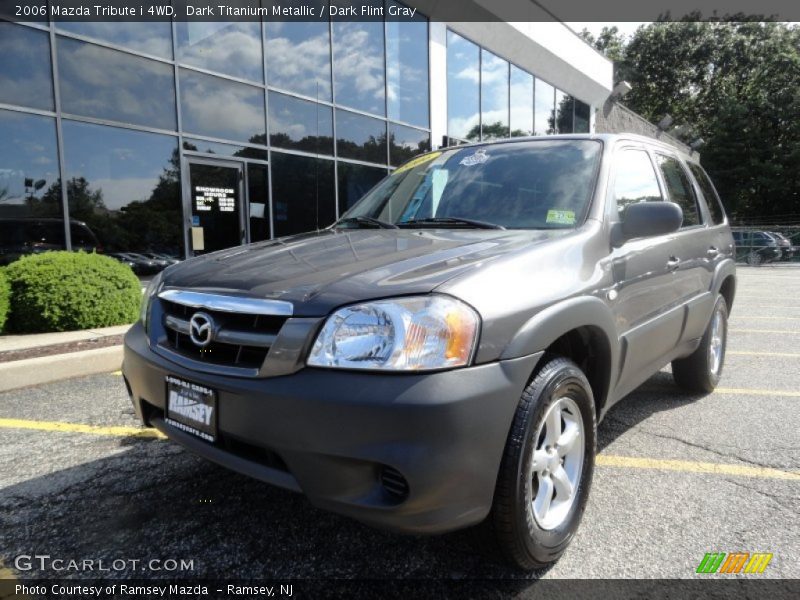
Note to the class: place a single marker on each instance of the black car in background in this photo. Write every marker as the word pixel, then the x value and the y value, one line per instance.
pixel 21 236
pixel 756 247
pixel 787 249
pixel 141 264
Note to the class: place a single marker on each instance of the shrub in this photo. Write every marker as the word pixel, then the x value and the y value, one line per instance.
pixel 5 298
pixel 64 291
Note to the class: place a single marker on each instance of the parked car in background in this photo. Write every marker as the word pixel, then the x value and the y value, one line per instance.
pixel 756 247
pixel 165 259
pixel 31 235
pixel 787 249
pixel 442 354
pixel 140 264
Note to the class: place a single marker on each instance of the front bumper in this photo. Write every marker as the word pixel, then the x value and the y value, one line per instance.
pixel 329 434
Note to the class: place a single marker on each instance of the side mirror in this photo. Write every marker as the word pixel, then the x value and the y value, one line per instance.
pixel 646 219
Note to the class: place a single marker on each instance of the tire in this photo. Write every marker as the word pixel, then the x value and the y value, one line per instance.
pixel 754 259
pixel 701 370
pixel 526 537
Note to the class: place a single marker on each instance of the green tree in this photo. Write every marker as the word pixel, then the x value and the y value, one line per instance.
pixel 736 84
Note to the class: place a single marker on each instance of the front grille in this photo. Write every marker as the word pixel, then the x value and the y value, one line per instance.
pixel 241 340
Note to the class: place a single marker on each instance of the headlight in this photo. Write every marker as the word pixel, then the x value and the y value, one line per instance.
pixel 149 292
pixel 405 334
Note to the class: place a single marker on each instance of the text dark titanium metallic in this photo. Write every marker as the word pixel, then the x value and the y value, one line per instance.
pixel 442 354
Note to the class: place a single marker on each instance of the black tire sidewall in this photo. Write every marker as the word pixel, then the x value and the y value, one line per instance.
pixel 557 379
pixel 719 305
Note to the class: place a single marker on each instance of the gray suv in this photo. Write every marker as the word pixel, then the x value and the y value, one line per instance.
pixel 442 354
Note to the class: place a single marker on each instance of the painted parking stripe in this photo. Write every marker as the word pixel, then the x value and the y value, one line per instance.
pixel 80 428
pixel 784 331
pixel 603 460
pixel 691 466
pixel 748 353
pixel 757 392
pixel 746 317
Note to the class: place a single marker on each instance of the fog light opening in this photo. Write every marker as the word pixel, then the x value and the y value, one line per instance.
pixel 394 484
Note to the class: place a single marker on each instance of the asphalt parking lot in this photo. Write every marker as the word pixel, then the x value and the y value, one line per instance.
pixel 677 476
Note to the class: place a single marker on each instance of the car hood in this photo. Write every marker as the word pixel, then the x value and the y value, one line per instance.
pixel 322 270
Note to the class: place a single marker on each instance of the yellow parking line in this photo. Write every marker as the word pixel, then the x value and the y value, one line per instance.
pixel 691 466
pixel 116 372
pixel 746 317
pixel 755 392
pixel 80 428
pixel 745 353
pixel 603 460
pixel 790 331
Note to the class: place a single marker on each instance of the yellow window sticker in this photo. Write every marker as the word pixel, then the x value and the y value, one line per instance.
pixel 561 217
pixel 420 160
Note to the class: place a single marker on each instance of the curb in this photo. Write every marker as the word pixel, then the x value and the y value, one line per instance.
pixel 46 369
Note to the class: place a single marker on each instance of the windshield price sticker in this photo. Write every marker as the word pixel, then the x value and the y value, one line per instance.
pixel 561 217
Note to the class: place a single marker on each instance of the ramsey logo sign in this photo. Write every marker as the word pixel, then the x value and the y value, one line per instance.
pixel 736 562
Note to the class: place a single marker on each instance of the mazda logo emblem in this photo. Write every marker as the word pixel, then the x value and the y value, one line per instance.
pixel 201 329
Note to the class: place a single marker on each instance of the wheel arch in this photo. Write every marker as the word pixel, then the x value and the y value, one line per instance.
pixel 581 329
pixel 724 282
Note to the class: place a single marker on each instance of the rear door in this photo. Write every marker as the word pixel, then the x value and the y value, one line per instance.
pixel 693 252
pixel 644 298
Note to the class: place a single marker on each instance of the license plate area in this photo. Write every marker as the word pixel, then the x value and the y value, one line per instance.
pixel 192 408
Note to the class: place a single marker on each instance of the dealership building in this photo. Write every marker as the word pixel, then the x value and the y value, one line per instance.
pixel 188 137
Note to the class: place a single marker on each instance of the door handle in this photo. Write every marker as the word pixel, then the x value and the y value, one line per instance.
pixel 712 251
pixel 673 263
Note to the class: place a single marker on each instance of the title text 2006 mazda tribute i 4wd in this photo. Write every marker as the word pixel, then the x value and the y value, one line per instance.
pixel 442 354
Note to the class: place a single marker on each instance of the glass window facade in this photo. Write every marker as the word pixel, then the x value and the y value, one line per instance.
pixel 544 120
pixel 311 114
pixel 25 75
pixel 303 196
pixel 360 137
pixel 153 38
pixel 222 108
pixel 109 84
pixel 299 57
pixel 125 186
pixel 355 181
pixel 489 98
pixel 300 124
pixel 233 49
pixel 565 109
pixel 30 183
pixel 494 96
pixel 358 65
pixel 406 142
pixel 407 69
pixel 463 88
pixel 521 102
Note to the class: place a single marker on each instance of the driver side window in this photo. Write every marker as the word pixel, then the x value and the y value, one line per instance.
pixel 635 179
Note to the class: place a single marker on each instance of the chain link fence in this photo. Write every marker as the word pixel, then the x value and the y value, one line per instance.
pixel 765 243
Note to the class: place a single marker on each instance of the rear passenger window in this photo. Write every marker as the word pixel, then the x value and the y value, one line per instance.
pixel 635 180
pixel 679 188
pixel 709 193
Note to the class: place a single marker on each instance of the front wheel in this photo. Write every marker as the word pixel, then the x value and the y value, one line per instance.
pixel 546 471
pixel 701 370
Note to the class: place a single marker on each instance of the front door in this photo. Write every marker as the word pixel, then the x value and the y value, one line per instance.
pixel 217 213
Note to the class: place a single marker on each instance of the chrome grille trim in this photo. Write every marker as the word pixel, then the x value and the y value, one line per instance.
pixel 226 336
pixel 230 304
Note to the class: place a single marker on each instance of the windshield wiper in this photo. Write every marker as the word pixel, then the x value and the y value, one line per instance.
pixel 453 221
pixel 368 221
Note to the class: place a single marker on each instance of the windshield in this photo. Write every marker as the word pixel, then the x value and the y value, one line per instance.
pixel 520 185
